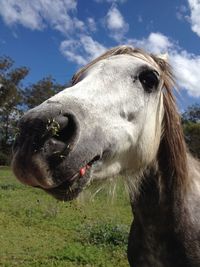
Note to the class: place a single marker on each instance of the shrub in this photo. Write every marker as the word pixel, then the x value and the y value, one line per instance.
pixel 110 234
pixel 192 137
pixel 4 159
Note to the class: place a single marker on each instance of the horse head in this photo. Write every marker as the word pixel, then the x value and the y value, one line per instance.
pixel 109 122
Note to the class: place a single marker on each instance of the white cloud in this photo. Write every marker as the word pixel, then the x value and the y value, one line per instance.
pixel 186 68
pixel 37 14
pixel 115 20
pixel 83 50
pixel 195 15
pixel 181 13
pixel 92 24
pixel 20 13
pixel 92 47
pixel 155 43
pixel 70 49
pixel 116 24
pixel 185 65
pixel 140 18
pixel 111 1
pixel 60 15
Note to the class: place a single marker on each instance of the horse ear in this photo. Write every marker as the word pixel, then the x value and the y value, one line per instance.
pixel 164 57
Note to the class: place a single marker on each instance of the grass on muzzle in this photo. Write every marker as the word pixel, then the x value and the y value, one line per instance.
pixel 37 230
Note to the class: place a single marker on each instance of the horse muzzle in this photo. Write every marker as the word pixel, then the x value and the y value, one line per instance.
pixel 52 151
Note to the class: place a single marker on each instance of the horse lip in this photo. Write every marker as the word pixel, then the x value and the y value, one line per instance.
pixel 95 159
pixel 69 189
pixel 75 177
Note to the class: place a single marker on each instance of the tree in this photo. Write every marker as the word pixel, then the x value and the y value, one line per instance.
pixel 15 99
pixel 192 137
pixel 191 128
pixel 10 100
pixel 41 91
pixel 192 114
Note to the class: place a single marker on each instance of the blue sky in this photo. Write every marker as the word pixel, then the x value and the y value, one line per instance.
pixel 56 37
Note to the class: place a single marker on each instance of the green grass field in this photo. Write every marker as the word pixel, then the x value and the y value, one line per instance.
pixel 37 230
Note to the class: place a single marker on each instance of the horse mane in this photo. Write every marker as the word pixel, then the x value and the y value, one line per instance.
pixel 172 154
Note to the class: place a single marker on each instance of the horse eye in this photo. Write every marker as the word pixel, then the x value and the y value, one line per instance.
pixel 149 80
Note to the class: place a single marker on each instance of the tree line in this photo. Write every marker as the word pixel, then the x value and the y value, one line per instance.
pixel 15 99
pixel 191 128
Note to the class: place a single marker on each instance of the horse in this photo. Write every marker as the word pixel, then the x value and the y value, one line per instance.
pixel 119 117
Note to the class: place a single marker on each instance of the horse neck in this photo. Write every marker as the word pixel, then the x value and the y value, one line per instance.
pixel 156 199
pixel 166 218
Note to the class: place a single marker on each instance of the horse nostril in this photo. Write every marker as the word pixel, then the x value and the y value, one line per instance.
pixel 62 139
pixel 56 125
pixel 54 147
pixel 64 129
pixel 51 136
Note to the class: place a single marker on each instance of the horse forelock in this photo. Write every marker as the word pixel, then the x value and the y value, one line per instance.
pixel 158 63
pixel 172 154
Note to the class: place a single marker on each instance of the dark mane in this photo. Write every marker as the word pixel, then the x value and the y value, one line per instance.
pixel 172 154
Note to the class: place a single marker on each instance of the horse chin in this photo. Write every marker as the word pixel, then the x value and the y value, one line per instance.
pixel 70 188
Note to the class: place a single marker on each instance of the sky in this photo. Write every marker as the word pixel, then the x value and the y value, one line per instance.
pixel 57 37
